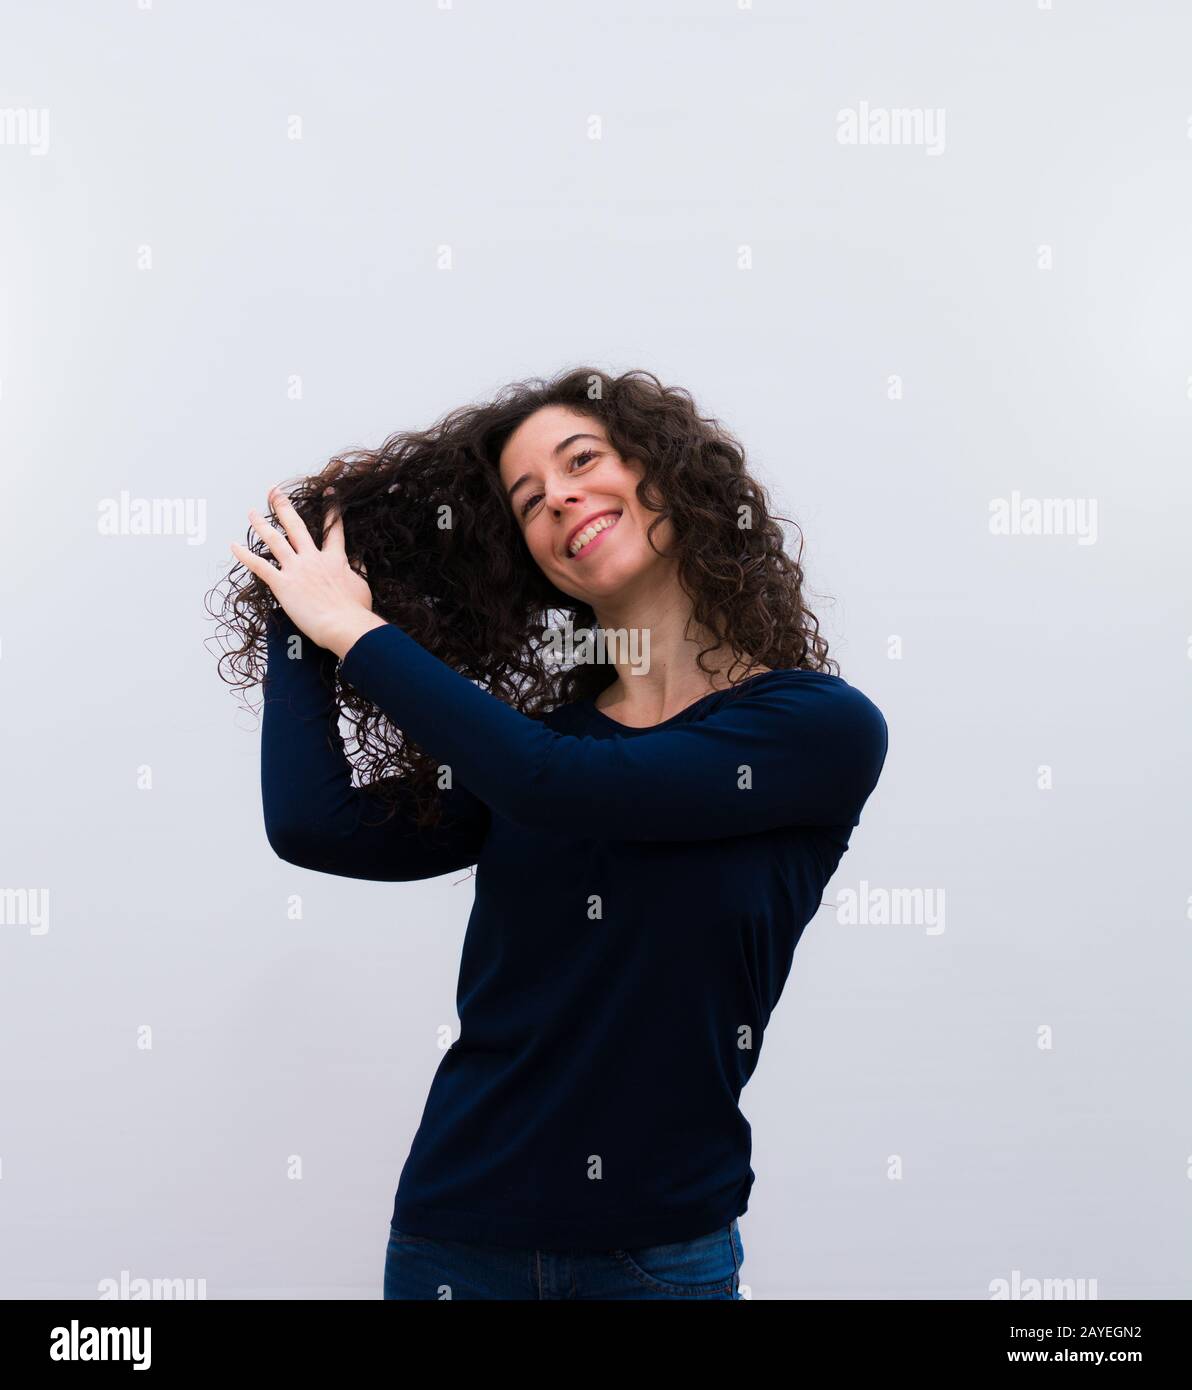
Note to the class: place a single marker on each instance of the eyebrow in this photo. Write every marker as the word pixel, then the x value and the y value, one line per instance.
pixel 555 452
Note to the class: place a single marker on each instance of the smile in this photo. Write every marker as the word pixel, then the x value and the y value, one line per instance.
pixel 582 541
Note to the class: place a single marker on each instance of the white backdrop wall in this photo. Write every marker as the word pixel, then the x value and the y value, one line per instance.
pixel 238 239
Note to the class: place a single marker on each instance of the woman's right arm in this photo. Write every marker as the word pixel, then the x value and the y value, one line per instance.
pixel 314 816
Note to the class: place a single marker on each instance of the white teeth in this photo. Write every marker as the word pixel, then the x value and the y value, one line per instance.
pixel 601 523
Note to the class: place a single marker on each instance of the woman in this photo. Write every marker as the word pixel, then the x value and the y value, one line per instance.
pixel 652 832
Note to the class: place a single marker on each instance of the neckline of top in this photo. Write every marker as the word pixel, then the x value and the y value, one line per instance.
pixel 590 704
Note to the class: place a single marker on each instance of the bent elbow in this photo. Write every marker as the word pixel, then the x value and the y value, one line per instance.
pixel 292 844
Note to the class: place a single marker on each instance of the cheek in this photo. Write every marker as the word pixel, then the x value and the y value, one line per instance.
pixel 539 547
pixel 662 536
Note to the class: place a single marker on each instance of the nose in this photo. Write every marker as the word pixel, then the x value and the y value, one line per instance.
pixel 558 498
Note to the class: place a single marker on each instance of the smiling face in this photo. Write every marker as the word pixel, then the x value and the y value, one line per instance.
pixel 575 499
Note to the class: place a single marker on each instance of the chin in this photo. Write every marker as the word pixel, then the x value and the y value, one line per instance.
pixel 611 582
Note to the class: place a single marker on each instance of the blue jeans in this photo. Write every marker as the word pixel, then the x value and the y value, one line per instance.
pixel 417 1267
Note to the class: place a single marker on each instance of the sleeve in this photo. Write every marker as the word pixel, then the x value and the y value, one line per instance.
pixel 805 751
pixel 314 816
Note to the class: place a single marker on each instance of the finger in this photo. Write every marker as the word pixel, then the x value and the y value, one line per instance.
pixel 279 546
pixel 255 564
pixel 295 527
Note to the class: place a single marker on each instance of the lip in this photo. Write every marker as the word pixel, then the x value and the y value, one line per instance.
pixel 587 521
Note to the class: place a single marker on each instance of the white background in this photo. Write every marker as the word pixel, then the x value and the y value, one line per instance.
pixel 470 128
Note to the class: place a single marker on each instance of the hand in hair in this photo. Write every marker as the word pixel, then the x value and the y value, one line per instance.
pixel 324 596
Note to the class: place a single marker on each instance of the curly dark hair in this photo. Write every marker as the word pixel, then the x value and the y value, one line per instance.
pixel 426 519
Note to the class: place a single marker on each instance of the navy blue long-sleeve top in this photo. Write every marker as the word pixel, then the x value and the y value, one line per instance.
pixel 638 898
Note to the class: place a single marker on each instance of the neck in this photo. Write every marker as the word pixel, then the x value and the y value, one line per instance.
pixel 667 678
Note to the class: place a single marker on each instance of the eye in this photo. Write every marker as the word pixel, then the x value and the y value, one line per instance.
pixel 581 458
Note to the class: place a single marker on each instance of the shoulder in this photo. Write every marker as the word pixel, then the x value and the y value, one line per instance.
pixel 818 726
pixel 800 689
pixel 802 705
